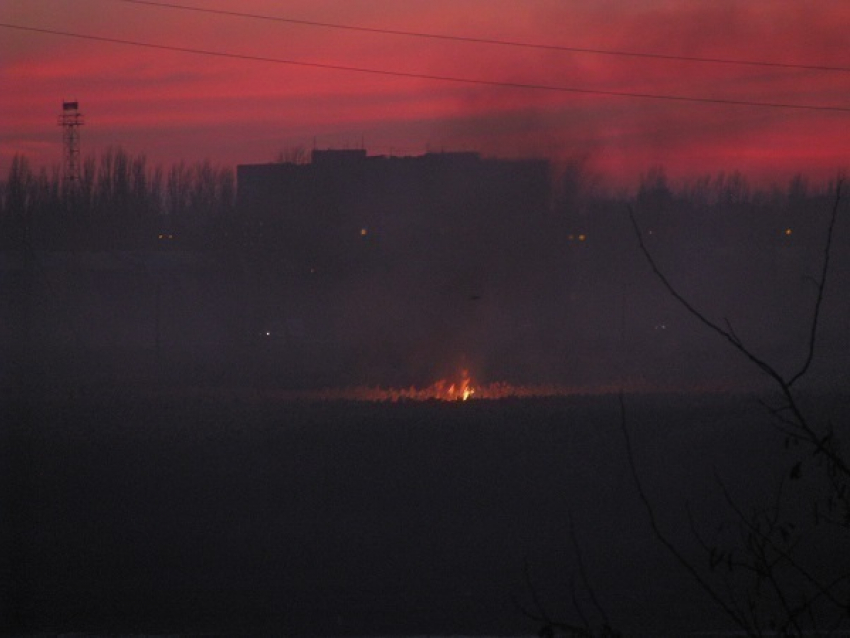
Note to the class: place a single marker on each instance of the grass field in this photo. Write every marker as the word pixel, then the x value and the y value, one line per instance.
pixel 141 515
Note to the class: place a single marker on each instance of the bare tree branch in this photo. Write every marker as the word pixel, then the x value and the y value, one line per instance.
pixel 541 616
pixel 769 560
pixel 821 284
pixel 825 590
pixel 584 579
pixel 726 334
pixel 653 521
pixel 786 386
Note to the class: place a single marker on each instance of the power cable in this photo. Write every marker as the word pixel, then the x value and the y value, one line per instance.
pixel 437 78
pixel 492 41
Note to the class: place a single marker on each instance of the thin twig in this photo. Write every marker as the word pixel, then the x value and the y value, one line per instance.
pixel 821 284
pixel 763 365
pixel 784 385
pixel 824 590
pixel 583 573
pixel 543 617
pixel 577 605
pixel 695 574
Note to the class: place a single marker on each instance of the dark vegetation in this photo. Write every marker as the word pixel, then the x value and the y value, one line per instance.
pixel 134 515
pixel 120 202
pixel 156 269
pixel 774 576
pixel 138 506
pixel 766 567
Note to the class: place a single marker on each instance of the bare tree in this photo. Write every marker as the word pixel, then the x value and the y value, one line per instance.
pixel 768 569
pixel 586 627
pixel 292 155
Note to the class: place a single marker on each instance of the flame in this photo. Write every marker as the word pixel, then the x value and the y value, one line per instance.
pixel 450 392
pixel 453 392
pixel 463 389
pixel 460 391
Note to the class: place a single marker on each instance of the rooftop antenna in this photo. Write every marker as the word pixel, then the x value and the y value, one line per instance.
pixel 71 120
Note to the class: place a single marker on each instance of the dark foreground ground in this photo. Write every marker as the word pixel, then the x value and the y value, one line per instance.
pixel 230 516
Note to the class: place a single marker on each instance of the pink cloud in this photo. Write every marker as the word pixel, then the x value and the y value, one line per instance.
pixel 174 105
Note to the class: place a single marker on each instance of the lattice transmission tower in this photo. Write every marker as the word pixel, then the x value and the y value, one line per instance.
pixel 71 120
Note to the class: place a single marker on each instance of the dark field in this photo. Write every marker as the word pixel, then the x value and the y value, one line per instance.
pixel 232 516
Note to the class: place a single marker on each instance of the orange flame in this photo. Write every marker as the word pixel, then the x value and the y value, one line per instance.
pixel 460 391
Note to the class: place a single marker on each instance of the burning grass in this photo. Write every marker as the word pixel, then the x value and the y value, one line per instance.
pixel 439 391
pixel 467 390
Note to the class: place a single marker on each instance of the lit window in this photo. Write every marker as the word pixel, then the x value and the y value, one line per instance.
pixel 363 232
pixel 788 231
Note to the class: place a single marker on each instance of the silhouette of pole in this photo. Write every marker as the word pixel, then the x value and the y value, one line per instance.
pixel 71 120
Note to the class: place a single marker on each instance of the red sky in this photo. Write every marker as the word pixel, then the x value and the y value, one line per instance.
pixel 174 106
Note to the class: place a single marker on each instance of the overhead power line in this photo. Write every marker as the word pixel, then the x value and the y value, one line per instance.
pixel 432 77
pixel 492 41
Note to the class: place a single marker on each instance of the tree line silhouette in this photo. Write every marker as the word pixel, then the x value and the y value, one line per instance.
pixel 120 201
pixel 123 201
